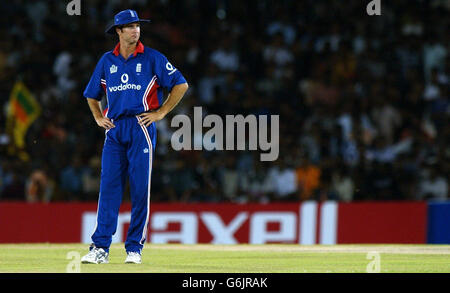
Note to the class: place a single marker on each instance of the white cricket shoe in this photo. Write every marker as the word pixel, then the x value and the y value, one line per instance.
pixel 133 257
pixel 96 256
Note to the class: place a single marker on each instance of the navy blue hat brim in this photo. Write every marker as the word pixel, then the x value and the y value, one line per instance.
pixel 111 30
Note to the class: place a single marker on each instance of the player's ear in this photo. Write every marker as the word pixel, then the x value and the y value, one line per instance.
pixel 118 29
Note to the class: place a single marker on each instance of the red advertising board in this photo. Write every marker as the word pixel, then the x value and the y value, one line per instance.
pixel 384 222
pixel 303 223
pixel 55 222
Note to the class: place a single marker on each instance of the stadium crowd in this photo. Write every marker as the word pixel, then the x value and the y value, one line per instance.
pixel 363 101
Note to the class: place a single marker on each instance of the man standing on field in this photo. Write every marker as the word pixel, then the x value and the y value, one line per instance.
pixel 132 76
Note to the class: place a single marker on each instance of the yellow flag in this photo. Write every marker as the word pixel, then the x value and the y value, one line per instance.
pixel 23 110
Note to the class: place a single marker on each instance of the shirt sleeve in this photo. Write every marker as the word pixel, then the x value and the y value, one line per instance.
pixel 94 89
pixel 168 76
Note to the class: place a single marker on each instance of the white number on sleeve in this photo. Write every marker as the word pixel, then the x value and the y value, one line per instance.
pixel 170 68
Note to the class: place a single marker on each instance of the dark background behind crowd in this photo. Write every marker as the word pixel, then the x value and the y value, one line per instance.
pixel 363 101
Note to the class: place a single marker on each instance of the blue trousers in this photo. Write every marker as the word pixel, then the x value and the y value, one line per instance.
pixel 127 153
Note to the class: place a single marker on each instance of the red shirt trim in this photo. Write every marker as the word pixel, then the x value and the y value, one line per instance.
pixel 139 49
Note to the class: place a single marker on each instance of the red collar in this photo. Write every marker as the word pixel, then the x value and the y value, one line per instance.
pixel 139 49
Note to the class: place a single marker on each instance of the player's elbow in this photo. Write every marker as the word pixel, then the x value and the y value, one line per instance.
pixel 184 86
pixel 181 88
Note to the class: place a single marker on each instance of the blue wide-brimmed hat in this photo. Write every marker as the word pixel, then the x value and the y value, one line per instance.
pixel 124 17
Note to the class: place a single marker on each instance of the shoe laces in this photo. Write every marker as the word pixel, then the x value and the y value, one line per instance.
pixel 97 251
pixel 134 254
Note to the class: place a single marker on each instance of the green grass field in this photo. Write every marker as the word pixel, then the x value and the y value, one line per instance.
pixel 273 258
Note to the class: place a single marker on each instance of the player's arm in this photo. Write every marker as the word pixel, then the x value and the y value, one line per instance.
pixel 101 120
pixel 175 96
pixel 93 92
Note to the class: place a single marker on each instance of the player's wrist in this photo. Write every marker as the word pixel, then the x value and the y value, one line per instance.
pixel 98 117
pixel 163 112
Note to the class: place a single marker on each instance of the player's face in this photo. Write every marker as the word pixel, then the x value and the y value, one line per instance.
pixel 130 33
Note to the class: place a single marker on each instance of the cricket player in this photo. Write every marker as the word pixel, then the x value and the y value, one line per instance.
pixel 133 77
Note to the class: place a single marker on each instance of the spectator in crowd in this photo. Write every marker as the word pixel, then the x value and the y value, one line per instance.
pixel 91 178
pixel 433 185
pixel 386 118
pixel 308 179
pixel 182 182
pixel 343 185
pixel 210 83
pixel 277 53
pixel 13 187
pixel 283 182
pixel 382 183
pixel 432 88
pixel 39 187
pixel 208 180
pixel 434 55
pixel 72 179
pixel 255 183
pixel 229 179
pixel 225 57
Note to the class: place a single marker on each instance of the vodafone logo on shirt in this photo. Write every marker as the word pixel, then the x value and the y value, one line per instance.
pixel 125 85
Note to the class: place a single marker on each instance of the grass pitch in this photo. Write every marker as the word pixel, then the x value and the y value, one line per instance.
pixel 272 258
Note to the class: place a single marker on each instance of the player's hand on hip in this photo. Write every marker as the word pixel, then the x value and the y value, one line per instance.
pixel 150 117
pixel 105 123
